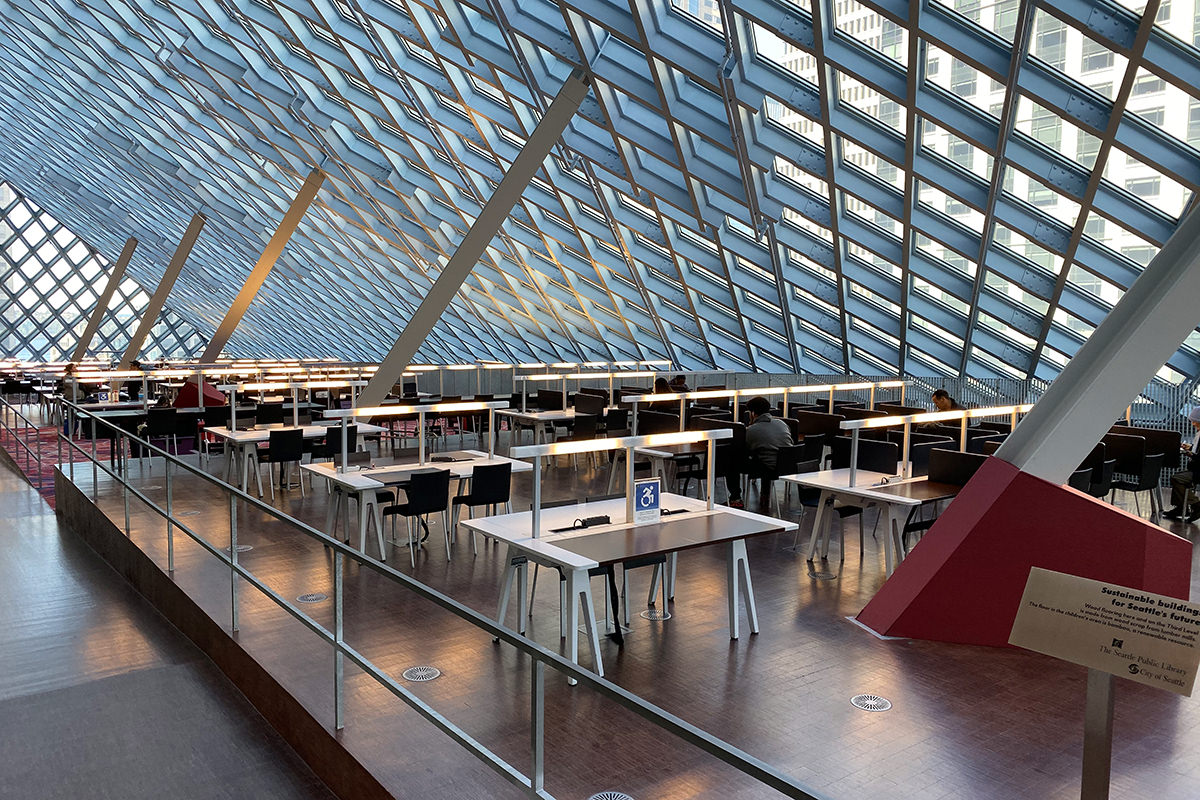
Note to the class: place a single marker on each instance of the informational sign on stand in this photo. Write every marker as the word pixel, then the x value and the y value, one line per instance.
pixel 1145 637
pixel 646 494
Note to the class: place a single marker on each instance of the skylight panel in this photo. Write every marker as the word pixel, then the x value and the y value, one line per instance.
pixel 1146 183
pixel 961 79
pixel 951 206
pixel 1067 50
pixel 870 28
pixel 867 99
pixel 862 158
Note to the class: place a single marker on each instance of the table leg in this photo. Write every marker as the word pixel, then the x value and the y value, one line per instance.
pixel 579 589
pixel 818 517
pixel 331 515
pixel 738 568
pixel 509 573
pixel 889 538
pixel 363 512
pixel 523 593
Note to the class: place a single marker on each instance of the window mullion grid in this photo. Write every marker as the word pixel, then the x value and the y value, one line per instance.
pixel 1021 39
pixel 916 75
pixel 1136 53
pixel 827 81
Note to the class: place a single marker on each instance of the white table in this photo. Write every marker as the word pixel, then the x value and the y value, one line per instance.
pixel 575 552
pixel 246 442
pixel 539 420
pixel 893 498
pixel 362 484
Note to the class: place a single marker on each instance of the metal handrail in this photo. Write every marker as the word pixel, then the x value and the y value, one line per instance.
pixel 32 454
pixel 541 657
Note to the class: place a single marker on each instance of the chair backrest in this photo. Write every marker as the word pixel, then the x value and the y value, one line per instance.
pixel 601 393
pixel 729 452
pixel 1157 441
pixel 814 446
pixel 853 412
pixel 977 444
pixel 874 456
pixel 589 404
pixel 788 459
pixel 285 445
pixel 333 440
pixel 1095 458
pixel 649 422
pixel 616 422
pixel 953 467
pixel 268 413
pixel 1127 450
pixel 1081 479
pixel 1102 478
pixel 817 422
pixel 895 409
pixel 998 427
pixel 549 400
pixel 491 483
pixel 428 492
pixel 215 416
pixel 793 427
pixel 919 447
pixel 584 426
pixel 160 421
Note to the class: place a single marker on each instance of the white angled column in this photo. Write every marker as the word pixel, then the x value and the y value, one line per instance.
pixel 150 316
pixel 547 133
pixel 1116 363
pixel 266 262
pixel 114 280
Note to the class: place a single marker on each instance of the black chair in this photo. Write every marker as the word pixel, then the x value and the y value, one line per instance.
pixel 583 429
pixel 491 486
pixel 817 422
pixel 1145 479
pixel 161 424
pixel 283 447
pixel 426 493
pixel 649 422
pixel 616 422
pixel 268 414
pixel 331 448
pixel 873 455
pixel 549 400
pixel 951 466
pixel 1103 485
pixel 590 404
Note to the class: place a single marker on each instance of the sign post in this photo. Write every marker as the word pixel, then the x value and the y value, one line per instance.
pixel 1112 630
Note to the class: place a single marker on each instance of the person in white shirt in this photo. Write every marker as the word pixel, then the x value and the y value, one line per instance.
pixel 1182 482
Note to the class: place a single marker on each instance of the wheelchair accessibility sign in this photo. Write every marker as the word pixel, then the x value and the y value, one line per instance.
pixel 645 500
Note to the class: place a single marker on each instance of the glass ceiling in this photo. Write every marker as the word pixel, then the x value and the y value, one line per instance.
pixel 931 187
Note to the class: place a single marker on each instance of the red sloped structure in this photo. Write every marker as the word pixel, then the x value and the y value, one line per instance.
pixel 964 581
pixel 188 398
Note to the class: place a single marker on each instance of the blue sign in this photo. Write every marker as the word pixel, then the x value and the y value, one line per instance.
pixel 646 494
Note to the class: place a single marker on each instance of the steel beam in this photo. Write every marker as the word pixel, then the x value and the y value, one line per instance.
pixel 547 133
pixel 150 315
pixel 1120 357
pixel 114 280
pixel 266 262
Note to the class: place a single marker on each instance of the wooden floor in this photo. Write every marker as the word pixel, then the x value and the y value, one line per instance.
pixel 101 697
pixel 966 722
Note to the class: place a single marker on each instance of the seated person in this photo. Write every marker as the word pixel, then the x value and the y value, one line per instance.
pixel 679 384
pixel 942 401
pixel 764 436
pixel 1182 482
pixel 662 387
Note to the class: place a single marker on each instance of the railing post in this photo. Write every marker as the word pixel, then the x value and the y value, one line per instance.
pixel 233 560
pixel 537 724
pixel 339 667
pixel 124 494
pixel 170 522
pixel 95 464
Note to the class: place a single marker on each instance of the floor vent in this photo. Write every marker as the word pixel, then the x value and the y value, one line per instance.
pixel 870 702
pixel 420 673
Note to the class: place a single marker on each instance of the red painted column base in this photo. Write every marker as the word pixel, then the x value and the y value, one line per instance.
pixel 188 397
pixel 964 580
